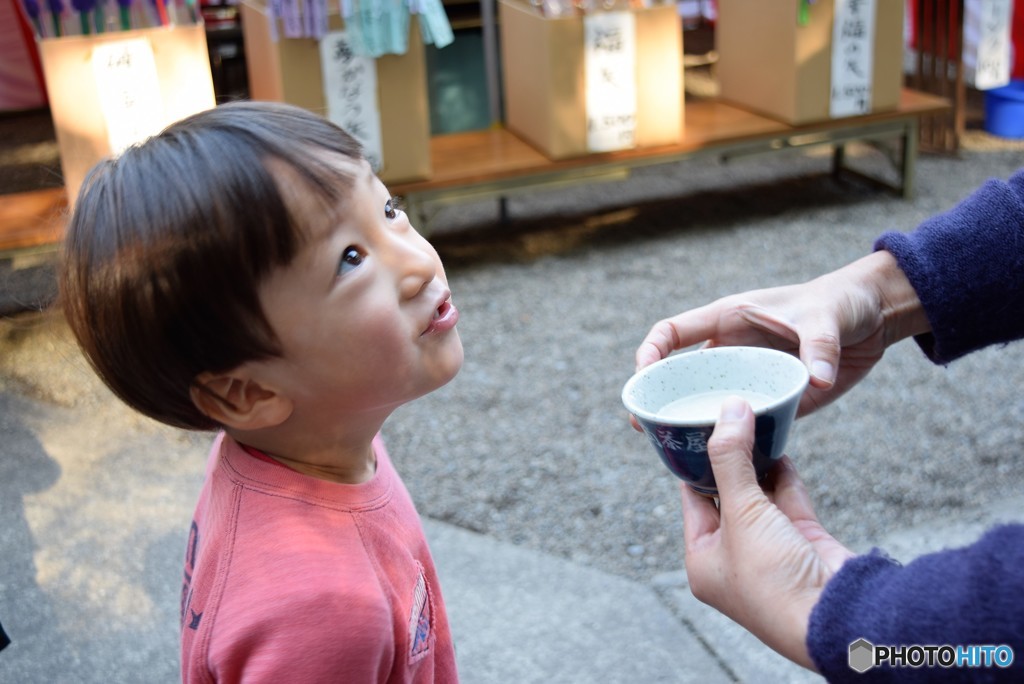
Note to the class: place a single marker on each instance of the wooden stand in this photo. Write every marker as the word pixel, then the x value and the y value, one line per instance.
pixel 495 163
pixel 32 220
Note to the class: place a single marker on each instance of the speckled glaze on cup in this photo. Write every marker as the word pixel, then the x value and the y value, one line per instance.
pixel 682 443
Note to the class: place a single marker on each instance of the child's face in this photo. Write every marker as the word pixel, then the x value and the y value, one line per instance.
pixel 363 313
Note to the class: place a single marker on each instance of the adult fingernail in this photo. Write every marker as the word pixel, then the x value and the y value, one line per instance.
pixel 823 370
pixel 732 408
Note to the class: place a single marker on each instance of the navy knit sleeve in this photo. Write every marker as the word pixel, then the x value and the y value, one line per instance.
pixel 967 267
pixel 973 596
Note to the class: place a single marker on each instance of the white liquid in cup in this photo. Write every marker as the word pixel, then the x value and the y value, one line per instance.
pixel 705 407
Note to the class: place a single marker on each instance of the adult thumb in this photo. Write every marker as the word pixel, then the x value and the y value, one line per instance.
pixel 730 447
pixel 821 355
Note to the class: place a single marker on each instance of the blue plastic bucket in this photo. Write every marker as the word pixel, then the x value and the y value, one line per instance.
pixel 1004 110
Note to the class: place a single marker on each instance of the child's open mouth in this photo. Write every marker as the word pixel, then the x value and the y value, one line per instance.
pixel 445 318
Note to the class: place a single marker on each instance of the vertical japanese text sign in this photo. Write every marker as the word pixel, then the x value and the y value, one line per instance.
pixel 129 91
pixel 350 89
pixel 853 44
pixel 989 21
pixel 609 59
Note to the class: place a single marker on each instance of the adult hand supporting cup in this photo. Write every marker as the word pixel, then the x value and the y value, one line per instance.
pixel 759 557
pixel 839 324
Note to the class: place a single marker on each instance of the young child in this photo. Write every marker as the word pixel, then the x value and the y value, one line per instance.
pixel 245 271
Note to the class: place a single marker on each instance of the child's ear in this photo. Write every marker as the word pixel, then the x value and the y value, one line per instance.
pixel 237 400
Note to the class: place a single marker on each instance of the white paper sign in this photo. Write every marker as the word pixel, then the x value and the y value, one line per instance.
pixel 853 45
pixel 350 89
pixel 129 91
pixel 987 42
pixel 609 59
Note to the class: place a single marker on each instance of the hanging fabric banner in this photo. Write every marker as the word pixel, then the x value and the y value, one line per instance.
pixel 853 45
pixel 129 91
pixel 350 90
pixel 987 43
pixel 609 42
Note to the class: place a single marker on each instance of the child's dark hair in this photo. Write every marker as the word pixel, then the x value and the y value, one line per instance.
pixel 169 242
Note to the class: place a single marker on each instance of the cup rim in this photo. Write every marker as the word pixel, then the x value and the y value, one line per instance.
pixel 797 391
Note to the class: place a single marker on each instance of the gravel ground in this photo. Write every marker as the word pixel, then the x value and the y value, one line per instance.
pixel 530 444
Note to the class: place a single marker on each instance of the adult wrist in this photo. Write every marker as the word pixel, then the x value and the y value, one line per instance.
pixel 898 303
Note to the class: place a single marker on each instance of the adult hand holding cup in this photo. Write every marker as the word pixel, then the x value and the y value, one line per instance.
pixel 759 557
pixel 676 402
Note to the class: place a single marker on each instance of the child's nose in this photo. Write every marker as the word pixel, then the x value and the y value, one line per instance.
pixel 417 265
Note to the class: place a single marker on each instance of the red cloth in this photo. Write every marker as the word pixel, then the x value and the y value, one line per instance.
pixel 1017 37
pixel 21 75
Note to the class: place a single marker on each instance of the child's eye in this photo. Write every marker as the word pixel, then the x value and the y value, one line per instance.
pixel 392 207
pixel 351 258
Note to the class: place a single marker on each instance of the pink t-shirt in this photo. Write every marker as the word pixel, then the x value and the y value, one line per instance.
pixel 289 578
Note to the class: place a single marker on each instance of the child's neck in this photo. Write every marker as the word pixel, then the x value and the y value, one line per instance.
pixel 353 471
pixel 347 461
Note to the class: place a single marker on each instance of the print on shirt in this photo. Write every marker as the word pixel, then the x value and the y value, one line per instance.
pixel 186 583
pixel 419 621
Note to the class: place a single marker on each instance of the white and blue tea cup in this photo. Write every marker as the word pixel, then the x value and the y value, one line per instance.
pixel 677 401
